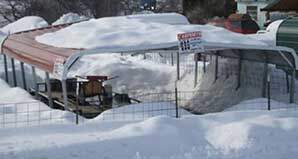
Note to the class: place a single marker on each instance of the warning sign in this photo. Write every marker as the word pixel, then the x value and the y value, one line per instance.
pixel 58 67
pixel 190 42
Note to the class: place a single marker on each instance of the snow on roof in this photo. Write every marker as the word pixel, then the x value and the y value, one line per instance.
pixel 70 18
pixel 23 24
pixel 134 31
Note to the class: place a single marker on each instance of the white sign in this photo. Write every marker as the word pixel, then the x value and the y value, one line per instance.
pixel 58 67
pixel 190 42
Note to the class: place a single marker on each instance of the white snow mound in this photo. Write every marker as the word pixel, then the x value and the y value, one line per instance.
pixel 70 18
pixel 23 24
pixel 134 31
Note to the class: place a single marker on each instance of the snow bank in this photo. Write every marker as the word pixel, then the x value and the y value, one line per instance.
pixel 70 18
pixel 165 18
pixel 18 108
pixel 134 73
pixel 23 24
pixel 260 104
pixel 244 135
pixel 134 31
pixel 141 111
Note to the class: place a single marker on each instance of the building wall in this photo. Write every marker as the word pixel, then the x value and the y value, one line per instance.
pixel 261 16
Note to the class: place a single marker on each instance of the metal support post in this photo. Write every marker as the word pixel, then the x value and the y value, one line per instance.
pixel 49 90
pixel 196 71
pixel 292 88
pixel 14 73
pixel 35 82
pixel 265 75
pixel 204 64
pixel 239 72
pixel 5 68
pixel 176 102
pixel 64 90
pixel 23 76
pixel 268 91
pixel 216 68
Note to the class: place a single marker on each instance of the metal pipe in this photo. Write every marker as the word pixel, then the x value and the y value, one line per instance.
pixel 14 73
pixel 196 71
pixel 239 72
pixel 265 75
pixel 49 90
pixel 35 82
pixel 178 66
pixel 216 68
pixel 23 76
pixel 5 68
pixel 64 91
pixel 292 88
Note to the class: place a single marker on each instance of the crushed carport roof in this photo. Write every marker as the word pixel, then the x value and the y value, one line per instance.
pixel 22 46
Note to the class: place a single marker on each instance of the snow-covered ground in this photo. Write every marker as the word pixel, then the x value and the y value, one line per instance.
pixel 245 135
pixel 18 109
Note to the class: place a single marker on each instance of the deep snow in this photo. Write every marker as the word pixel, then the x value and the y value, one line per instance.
pixel 137 32
pixel 245 135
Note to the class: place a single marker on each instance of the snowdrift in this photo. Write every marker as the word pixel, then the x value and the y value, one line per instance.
pixel 246 135
pixel 137 31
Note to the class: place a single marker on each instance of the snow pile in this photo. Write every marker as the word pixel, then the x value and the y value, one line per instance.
pixel 141 111
pixel 18 108
pixel 226 135
pixel 268 36
pixel 166 18
pixel 260 104
pixel 134 32
pixel 133 73
pixel 70 18
pixel 23 24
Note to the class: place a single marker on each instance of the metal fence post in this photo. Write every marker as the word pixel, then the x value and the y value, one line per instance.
pixel 36 91
pixel 176 102
pixel 178 66
pixel 268 92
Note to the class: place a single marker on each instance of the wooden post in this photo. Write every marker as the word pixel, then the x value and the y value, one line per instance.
pixel 49 90
pixel 292 88
pixel 178 66
pixel 35 82
pixel 14 73
pixel 5 68
pixel 216 68
pixel 23 76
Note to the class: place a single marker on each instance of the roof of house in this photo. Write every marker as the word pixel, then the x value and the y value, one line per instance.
pixel 282 5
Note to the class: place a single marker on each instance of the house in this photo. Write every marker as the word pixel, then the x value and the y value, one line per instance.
pixel 253 8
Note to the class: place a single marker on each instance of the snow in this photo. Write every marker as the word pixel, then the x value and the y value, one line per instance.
pixel 134 73
pixel 135 32
pixel 18 109
pixel 70 18
pixel 246 135
pixel 260 104
pixel 23 24
pixel 141 111
pixel 269 35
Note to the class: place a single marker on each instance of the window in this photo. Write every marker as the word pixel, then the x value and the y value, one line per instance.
pixel 252 11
